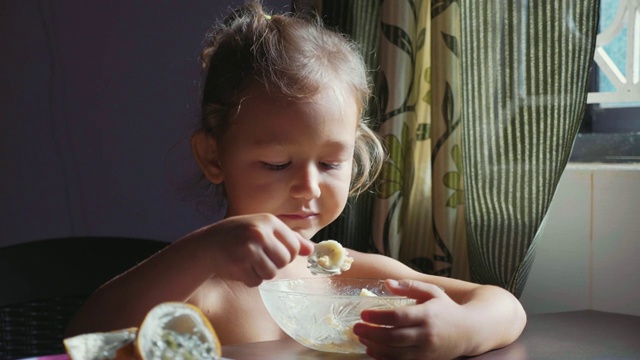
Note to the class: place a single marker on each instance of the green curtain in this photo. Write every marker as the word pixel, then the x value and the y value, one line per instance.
pixel 479 102
pixel 525 75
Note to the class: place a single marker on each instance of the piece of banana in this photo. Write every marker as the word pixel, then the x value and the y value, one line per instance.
pixel 365 292
pixel 329 257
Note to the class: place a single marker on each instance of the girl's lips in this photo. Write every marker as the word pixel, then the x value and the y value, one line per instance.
pixel 297 216
pixel 302 223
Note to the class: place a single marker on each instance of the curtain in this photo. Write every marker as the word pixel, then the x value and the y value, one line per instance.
pixel 419 197
pixel 526 70
pixel 418 216
pixel 479 102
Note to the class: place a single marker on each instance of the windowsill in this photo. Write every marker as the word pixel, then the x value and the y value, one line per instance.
pixel 606 148
pixel 600 166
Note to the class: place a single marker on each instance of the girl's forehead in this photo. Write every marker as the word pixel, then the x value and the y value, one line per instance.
pixel 328 102
pixel 266 118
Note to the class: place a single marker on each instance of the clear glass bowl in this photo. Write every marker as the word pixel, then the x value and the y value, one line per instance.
pixel 320 312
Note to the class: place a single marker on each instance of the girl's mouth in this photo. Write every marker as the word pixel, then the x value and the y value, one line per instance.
pixel 298 216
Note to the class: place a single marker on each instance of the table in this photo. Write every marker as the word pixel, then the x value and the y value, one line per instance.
pixel 581 335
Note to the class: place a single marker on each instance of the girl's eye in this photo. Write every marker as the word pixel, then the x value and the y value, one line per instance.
pixel 331 166
pixel 269 166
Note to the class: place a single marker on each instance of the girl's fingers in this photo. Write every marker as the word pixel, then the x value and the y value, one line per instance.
pixel 265 268
pixel 279 252
pixel 399 317
pixel 406 316
pixel 394 337
pixel 418 290
pixel 250 277
pixel 251 271
pixel 306 246
pixel 292 242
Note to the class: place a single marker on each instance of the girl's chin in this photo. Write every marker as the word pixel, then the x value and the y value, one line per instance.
pixel 306 233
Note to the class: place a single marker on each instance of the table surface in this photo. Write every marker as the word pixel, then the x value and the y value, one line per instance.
pixel 568 335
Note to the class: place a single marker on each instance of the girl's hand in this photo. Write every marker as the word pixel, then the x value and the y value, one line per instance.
pixel 252 248
pixel 432 329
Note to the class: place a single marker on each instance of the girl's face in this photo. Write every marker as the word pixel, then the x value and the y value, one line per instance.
pixel 291 159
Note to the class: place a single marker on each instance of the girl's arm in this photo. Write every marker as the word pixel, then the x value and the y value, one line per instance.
pixel 244 248
pixel 452 317
pixel 173 274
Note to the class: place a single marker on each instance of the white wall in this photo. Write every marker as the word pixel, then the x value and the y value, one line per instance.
pixel 588 256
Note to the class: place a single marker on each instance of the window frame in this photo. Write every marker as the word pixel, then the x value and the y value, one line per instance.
pixel 608 134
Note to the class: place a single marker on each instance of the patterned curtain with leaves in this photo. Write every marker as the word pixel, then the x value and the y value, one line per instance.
pixel 487 94
pixel 413 50
pixel 419 213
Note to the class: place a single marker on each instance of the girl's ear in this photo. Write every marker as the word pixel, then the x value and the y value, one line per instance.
pixel 205 150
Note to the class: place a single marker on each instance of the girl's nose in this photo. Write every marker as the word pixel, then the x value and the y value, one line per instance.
pixel 305 183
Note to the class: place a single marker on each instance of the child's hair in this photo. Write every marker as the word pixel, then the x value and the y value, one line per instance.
pixel 291 57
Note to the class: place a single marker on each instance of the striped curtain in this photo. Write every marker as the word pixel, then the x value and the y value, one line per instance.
pixel 479 102
pixel 525 74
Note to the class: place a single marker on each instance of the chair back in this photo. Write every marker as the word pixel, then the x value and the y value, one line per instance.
pixel 43 283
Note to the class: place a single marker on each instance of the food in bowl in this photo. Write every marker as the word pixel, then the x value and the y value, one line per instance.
pixel 320 312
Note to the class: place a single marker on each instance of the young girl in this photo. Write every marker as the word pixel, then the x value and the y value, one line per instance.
pixel 281 134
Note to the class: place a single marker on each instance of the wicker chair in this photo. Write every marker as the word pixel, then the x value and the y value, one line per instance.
pixel 43 283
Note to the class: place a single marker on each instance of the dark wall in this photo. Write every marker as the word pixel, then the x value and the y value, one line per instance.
pixel 97 103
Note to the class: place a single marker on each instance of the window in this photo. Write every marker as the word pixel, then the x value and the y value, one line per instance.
pixel 610 131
